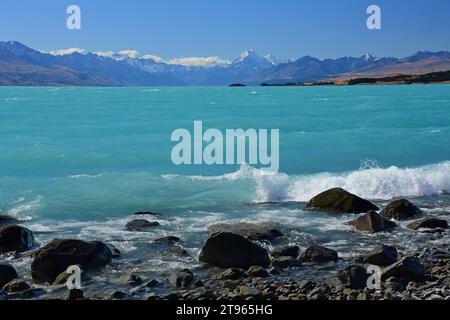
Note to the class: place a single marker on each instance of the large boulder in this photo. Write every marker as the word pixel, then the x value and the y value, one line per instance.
pixel 140 225
pixel 338 200
pixel 15 239
pixel 407 269
pixel 429 223
pixel 264 231
pixel 58 255
pixel 400 210
pixel 229 250
pixel 7 274
pixel 372 222
pixel 319 254
pixel 382 256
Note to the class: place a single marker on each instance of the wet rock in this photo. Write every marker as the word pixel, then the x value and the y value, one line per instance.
pixel 381 256
pixel 400 210
pixel 117 295
pixel 115 252
pixel 319 254
pixel 58 255
pixel 15 239
pixel 7 274
pixel 182 279
pixel 251 231
pixel 167 240
pixel 285 262
pixel 16 285
pixel 372 222
pixel 246 291
pixel 177 251
pixel 288 251
pixel 257 272
pixel 131 280
pixel 338 200
pixel 353 277
pixel 153 283
pixel 429 223
pixel 408 269
pixel 76 294
pixel 140 225
pixel 233 274
pixel 228 250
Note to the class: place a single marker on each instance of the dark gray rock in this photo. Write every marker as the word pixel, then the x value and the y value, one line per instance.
pixel 140 225
pixel 372 222
pixel 319 254
pixel 228 250
pixel 232 274
pixel 182 279
pixel 16 285
pixel 353 277
pixel 285 262
pixel 400 210
pixel 257 272
pixel 53 259
pixel 167 240
pixel 15 239
pixel 429 223
pixel 7 220
pixel 408 269
pixel 131 280
pixel 7 274
pixel 252 231
pixel 115 252
pixel 381 256
pixel 153 283
pixel 288 251
pixel 177 251
pixel 338 200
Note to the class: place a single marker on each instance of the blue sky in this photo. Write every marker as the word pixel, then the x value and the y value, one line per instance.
pixel 285 28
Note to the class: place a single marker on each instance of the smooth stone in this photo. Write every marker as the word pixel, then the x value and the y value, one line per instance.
pixel 257 272
pixel 140 225
pixel 15 239
pixel 408 269
pixel 381 256
pixel 319 254
pixel 400 210
pixel 167 240
pixel 338 200
pixel 372 222
pixel 288 251
pixel 228 250
pixel 429 223
pixel 264 231
pixel 285 262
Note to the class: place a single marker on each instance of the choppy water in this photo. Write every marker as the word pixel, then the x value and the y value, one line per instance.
pixel 77 162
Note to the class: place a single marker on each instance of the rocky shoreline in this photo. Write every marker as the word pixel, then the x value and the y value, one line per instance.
pixel 236 263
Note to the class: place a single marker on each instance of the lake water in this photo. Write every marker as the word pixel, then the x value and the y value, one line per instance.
pixel 77 162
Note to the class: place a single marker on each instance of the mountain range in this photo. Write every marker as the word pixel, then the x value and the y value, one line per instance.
pixel 23 66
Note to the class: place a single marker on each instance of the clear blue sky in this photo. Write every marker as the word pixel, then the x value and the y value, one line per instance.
pixel 286 28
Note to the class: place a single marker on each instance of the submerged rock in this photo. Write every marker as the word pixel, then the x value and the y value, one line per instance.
pixel 319 254
pixel 253 231
pixel 15 239
pixel 407 269
pixel 400 210
pixel 177 251
pixel 381 256
pixel 167 240
pixel 131 280
pixel 58 255
pixel 429 223
pixel 288 251
pixel 7 274
pixel 140 225
pixel 372 222
pixel 338 200
pixel 229 250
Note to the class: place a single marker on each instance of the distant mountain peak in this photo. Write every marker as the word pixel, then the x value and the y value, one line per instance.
pixel 368 57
